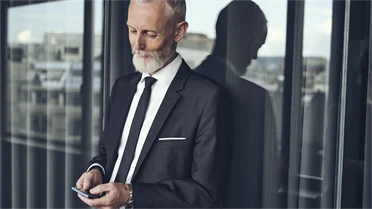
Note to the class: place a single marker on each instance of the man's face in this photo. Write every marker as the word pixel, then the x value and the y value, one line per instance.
pixel 150 35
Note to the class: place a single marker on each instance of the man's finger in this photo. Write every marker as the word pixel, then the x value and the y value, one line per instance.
pixel 101 188
pixel 79 182
pixel 87 181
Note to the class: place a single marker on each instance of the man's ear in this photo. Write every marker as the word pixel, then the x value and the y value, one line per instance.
pixel 180 32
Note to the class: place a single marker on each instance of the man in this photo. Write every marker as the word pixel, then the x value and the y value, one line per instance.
pixel 241 29
pixel 165 141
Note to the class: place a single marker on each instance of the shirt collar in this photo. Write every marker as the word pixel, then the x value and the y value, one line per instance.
pixel 166 74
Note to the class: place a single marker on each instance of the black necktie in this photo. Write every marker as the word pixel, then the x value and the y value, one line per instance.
pixel 135 130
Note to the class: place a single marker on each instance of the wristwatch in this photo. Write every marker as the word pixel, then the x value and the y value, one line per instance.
pixel 129 202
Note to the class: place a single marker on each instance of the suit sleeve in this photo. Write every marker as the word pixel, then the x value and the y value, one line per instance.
pixel 211 153
pixel 101 158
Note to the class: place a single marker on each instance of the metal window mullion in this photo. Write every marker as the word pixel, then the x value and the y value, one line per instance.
pixel 332 106
pixel 87 86
pixel 342 111
pixel 118 56
pixel 3 85
pixel 367 184
pixel 105 75
pixel 292 107
pixel 121 53
pixel 3 64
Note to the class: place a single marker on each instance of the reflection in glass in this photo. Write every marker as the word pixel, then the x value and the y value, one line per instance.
pixel 46 68
pixel 241 29
pixel 313 185
pixel 254 84
pixel 43 129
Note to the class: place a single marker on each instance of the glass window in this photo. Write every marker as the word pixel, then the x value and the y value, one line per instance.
pixel 241 45
pixel 46 44
pixel 44 112
pixel 315 161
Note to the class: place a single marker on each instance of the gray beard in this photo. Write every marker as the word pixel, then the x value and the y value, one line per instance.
pixel 154 63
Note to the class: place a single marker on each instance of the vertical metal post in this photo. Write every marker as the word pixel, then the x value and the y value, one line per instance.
pixel 3 92
pixel 87 86
pixel 120 55
pixel 367 182
pixel 292 96
pixel 296 106
pixel 341 135
pixel 332 106
pixel 106 52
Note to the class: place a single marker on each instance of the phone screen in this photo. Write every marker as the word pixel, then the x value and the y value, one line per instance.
pixel 86 193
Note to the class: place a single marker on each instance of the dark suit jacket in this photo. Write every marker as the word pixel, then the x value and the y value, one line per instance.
pixel 177 173
pixel 253 178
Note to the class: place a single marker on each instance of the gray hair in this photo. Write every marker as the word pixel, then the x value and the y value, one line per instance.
pixel 175 9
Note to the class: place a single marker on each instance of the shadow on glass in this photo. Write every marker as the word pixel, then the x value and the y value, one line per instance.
pixel 241 30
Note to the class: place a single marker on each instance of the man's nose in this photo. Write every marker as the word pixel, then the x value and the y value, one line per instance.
pixel 139 42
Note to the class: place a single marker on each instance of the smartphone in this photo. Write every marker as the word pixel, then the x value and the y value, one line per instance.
pixel 86 193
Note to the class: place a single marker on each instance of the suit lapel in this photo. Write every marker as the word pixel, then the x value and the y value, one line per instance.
pixel 169 102
pixel 125 102
pixel 125 97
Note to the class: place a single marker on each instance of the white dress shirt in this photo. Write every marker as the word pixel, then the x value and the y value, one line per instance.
pixel 164 78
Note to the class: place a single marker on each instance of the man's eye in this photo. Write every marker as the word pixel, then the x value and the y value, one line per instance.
pixel 151 35
pixel 133 31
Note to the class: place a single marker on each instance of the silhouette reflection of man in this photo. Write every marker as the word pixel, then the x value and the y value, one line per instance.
pixel 241 29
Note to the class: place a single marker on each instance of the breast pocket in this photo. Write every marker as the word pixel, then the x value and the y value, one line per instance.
pixel 172 139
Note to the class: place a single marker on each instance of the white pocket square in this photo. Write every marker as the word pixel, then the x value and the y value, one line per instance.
pixel 172 138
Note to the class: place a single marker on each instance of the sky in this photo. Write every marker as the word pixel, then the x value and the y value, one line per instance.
pixel 29 23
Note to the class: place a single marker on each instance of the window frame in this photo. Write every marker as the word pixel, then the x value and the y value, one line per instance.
pixel 3 85
pixel 113 68
pixel 292 100
pixel 367 187
pixel 368 158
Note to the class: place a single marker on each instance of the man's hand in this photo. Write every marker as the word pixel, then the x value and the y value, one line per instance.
pixel 89 180
pixel 116 196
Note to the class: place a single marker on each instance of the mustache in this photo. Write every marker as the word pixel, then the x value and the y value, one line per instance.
pixel 143 53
